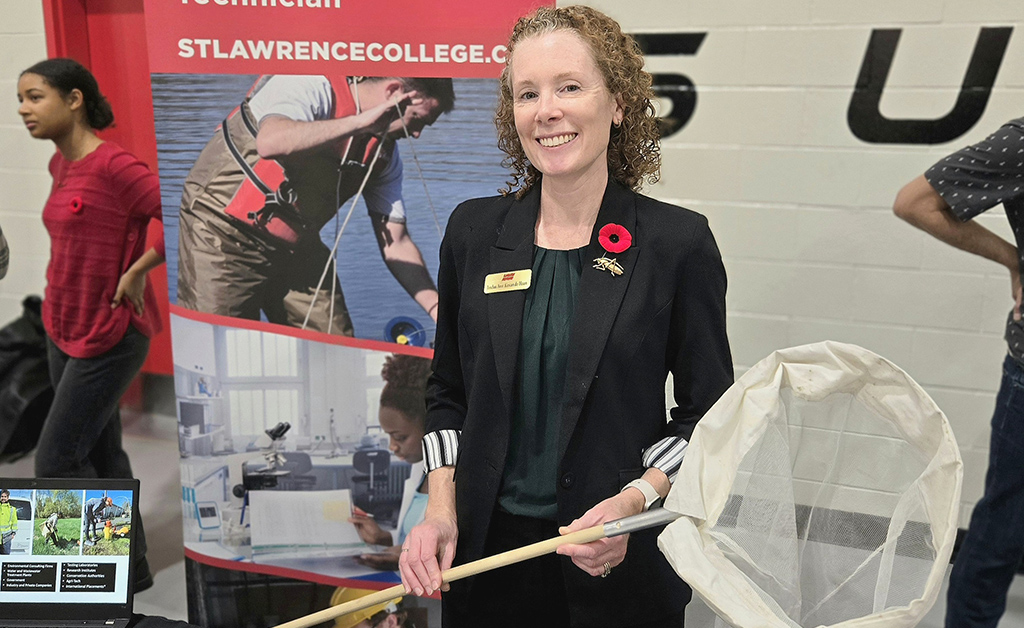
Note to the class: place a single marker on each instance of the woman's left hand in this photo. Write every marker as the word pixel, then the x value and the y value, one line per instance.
pixel 383 561
pixel 131 286
pixel 593 556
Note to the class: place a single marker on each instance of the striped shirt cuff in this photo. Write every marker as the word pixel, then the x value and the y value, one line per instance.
pixel 441 449
pixel 666 455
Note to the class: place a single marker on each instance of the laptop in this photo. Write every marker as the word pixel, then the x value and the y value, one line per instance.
pixel 71 560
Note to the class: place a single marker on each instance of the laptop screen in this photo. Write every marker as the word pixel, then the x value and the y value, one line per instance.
pixel 67 549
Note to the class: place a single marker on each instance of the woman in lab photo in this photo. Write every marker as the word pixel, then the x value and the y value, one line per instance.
pixel 402 416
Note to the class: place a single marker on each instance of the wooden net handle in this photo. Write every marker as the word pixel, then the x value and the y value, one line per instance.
pixel 503 559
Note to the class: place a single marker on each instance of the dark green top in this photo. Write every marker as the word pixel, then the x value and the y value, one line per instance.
pixel 531 470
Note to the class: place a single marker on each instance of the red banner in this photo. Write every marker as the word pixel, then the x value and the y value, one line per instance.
pixel 280 414
pixel 456 38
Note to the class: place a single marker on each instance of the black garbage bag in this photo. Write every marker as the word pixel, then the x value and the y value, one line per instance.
pixel 25 389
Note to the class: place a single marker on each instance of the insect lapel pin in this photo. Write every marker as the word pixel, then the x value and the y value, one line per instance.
pixel 603 263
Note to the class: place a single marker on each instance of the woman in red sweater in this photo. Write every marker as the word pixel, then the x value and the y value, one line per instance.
pixel 99 312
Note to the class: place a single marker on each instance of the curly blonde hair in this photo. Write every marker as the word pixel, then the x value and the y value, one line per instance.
pixel 634 154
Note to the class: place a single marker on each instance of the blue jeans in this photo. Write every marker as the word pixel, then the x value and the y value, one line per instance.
pixel 994 544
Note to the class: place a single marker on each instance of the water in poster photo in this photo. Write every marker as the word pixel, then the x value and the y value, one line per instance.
pixel 253 208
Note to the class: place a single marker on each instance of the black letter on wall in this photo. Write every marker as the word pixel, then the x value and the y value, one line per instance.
pixel 677 88
pixel 867 122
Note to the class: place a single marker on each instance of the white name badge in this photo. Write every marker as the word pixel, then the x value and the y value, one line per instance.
pixel 507 282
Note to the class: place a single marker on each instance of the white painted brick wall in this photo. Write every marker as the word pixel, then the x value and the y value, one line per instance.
pixel 801 207
pixel 24 180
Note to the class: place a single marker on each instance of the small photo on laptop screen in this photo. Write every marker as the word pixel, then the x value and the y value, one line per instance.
pixel 56 525
pixel 66 548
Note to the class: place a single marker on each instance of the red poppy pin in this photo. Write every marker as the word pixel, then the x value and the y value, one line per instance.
pixel 76 204
pixel 614 239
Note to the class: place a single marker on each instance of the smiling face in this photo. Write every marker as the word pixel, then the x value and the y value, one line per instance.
pixel 563 109
pixel 405 436
pixel 46 112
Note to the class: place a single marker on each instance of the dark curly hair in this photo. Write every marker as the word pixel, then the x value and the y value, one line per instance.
pixel 66 75
pixel 634 154
pixel 405 385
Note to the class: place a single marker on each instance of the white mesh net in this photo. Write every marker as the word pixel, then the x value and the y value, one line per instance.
pixel 821 490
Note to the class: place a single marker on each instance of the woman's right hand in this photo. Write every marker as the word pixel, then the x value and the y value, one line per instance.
pixel 370 531
pixel 427 552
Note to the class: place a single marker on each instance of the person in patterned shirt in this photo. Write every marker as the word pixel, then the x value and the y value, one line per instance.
pixel 942 202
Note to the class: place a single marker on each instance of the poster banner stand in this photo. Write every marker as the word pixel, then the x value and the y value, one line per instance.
pixel 297 142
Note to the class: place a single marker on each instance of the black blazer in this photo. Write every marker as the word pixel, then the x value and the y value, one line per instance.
pixel 666 312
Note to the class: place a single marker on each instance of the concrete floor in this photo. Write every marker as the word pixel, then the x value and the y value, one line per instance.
pixel 151 440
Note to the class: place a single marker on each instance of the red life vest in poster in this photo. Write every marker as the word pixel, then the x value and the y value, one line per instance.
pixel 293 197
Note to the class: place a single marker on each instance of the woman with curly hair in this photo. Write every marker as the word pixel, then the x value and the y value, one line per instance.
pixel 402 415
pixel 564 305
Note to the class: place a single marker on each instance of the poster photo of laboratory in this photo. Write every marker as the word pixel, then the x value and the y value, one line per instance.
pixel 295 453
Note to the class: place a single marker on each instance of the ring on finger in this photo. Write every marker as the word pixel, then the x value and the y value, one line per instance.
pixel 607 570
